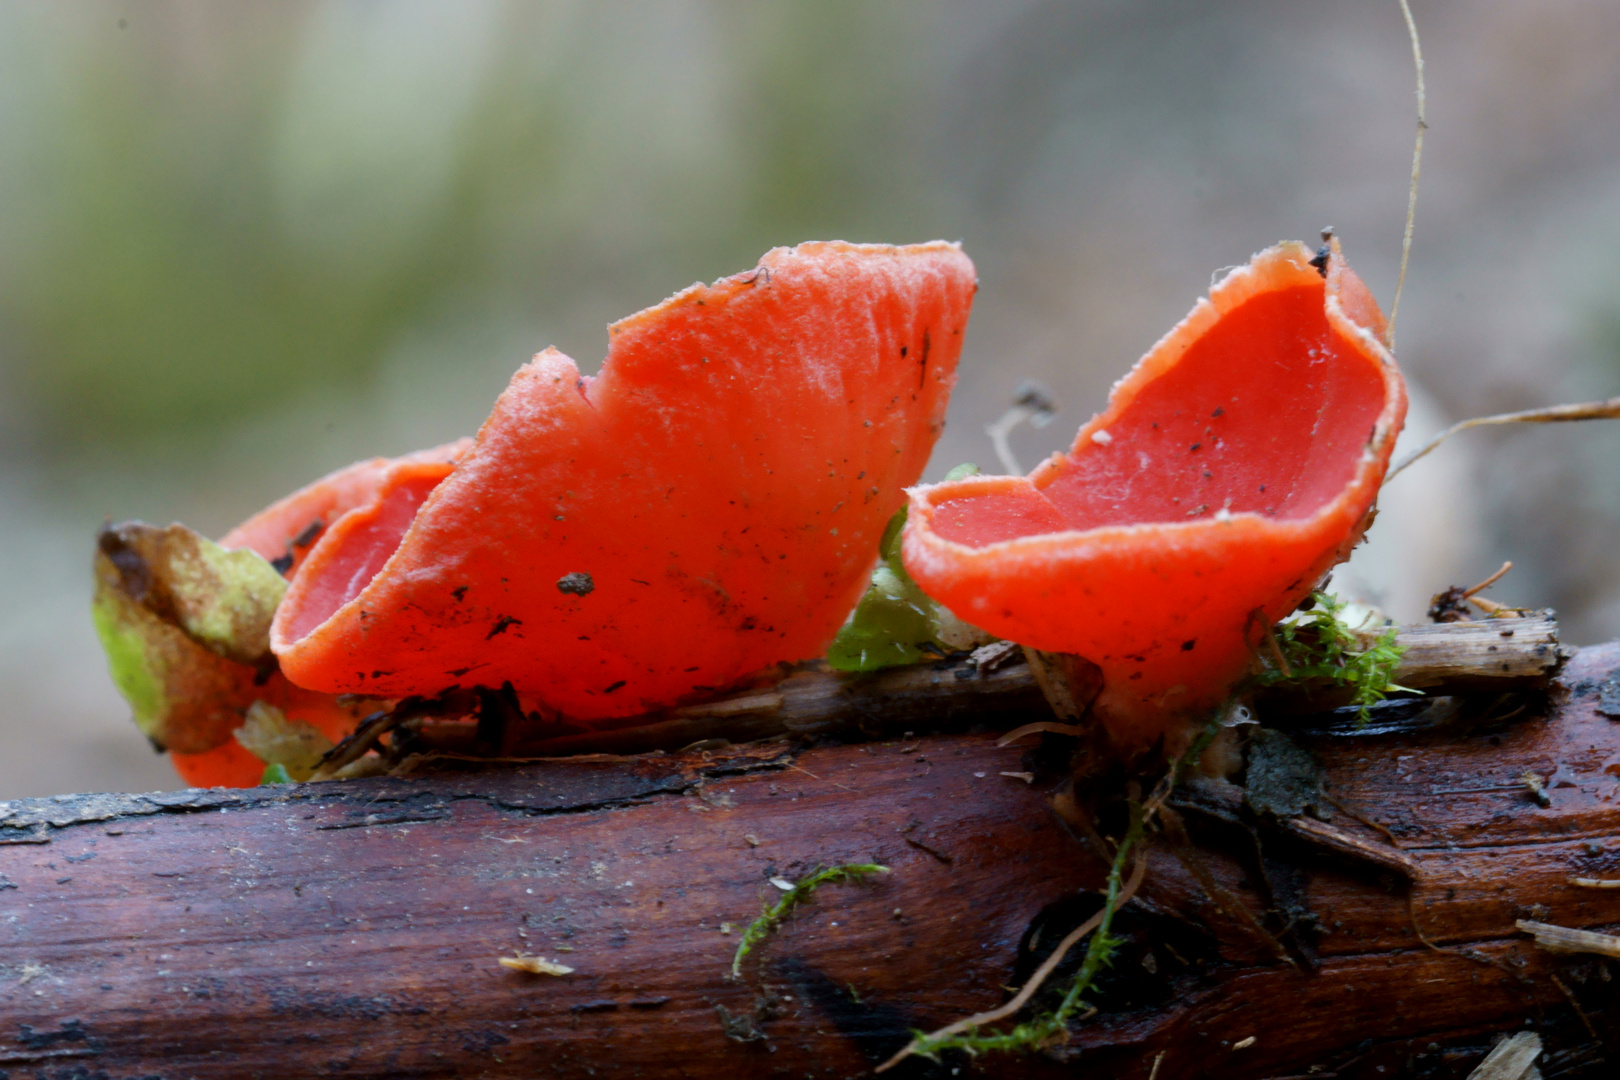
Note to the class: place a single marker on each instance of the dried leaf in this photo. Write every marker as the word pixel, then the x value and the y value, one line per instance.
pixel 223 600
pixel 293 745
pixel 185 625
pixel 184 697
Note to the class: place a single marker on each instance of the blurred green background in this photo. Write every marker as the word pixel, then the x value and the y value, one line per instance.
pixel 241 245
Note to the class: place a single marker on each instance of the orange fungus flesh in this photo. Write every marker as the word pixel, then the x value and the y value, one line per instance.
pixel 284 533
pixel 287 529
pixel 708 505
pixel 1234 465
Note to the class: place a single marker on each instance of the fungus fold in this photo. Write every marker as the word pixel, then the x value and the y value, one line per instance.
pixel 1235 464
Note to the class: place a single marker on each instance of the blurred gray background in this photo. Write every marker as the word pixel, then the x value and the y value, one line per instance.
pixel 241 245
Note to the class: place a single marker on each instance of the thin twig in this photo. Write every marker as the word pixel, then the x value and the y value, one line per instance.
pixel 1568 939
pixel 1223 898
pixel 1449 950
pixel 1595 883
pixel 1073 730
pixel 1607 409
pixel 1576 1005
pixel 1351 812
pixel 1417 166
pixel 358 743
pixel 1488 582
pixel 1277 653
pixel 1032 402
pixel 1100 950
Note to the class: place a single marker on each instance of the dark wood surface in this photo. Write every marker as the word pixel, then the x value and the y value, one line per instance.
pixel 354 928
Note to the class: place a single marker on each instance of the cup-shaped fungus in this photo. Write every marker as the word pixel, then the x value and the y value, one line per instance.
pixel 706 506
pixel 185 622
pixel 1236 463
pixel 284 531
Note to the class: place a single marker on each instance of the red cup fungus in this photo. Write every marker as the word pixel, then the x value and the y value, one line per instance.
pixel 283 534
pixel 708 505
pixel 284 531
pixel 1235 464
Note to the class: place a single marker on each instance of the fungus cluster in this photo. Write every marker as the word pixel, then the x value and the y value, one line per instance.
pixel 712 502
pixel 708 505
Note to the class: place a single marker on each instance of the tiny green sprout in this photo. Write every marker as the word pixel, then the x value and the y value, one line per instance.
pixel 895 622
pixel 275 774
pixel 774 915
pixel 1319 645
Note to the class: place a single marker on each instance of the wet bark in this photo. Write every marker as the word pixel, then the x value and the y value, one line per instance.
pixel 355 927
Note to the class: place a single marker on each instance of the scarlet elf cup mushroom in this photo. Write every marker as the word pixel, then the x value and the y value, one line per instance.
pixel 1235 464
pixel 708 505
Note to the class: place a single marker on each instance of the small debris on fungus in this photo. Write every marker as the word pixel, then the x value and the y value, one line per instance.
pixel 576 583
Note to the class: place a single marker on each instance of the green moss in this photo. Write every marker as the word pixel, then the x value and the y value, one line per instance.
pixel 1034 1033
pixel 1319 646
pixel 773 916
pixel 1042 1028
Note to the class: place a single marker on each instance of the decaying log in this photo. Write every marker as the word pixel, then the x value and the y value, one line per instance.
pixel 355 927
pixel 952 694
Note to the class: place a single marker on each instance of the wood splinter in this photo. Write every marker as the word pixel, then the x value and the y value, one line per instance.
pixel 535 965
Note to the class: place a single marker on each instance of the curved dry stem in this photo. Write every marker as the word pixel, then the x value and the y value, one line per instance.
pixel 1417 167
pixel 1053 726
pixel 1469 594
pixel 1036 981
pixel 1032 402
pixel 1607 409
